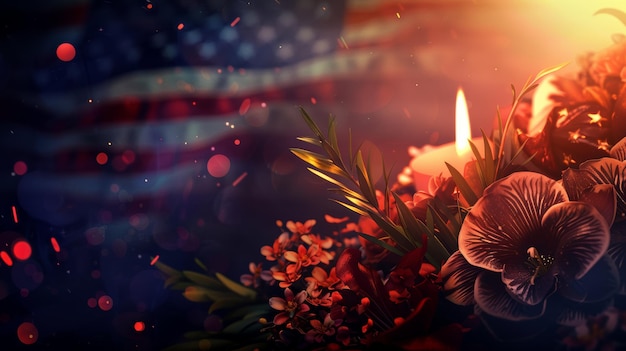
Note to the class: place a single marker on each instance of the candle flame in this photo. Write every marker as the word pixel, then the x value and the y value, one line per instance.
pixel 462 130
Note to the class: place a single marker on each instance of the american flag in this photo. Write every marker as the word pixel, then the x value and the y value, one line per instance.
pixel 118 141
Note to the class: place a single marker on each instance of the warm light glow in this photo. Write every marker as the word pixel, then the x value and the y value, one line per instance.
pixel 462 130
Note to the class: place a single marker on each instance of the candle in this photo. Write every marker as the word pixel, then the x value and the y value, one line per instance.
pixel 458 153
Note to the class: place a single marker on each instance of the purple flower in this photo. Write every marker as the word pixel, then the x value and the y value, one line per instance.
pixel 525 246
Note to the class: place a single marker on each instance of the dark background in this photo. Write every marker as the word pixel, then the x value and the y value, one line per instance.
pixel 137 91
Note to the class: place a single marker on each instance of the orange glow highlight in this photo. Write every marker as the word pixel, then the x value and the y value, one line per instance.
pixel 6 258
pixel 235 21
pixel 22 250
pixel 154 260
pixel 462 130
pixel 27 333
pixel 14 210
pixel 181 26
pixel 55 244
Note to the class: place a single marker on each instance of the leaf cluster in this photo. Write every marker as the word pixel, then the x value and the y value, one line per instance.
pixel 239 307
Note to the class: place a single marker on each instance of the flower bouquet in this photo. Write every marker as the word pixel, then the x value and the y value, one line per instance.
pixel 524 247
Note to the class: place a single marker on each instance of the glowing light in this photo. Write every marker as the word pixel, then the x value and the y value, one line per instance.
pixel 154 260
pixel 128 157
pixel 20 168
pixel 181 26
pixel 22 250
pixel 398 14
pixel 240 178
pixel 27 333
pixel 342 42
pixel 149 6
pixel 237 142
pixel 105 302
pixel 55 244
pixel 141 326
pixel 235 21
pixel 6 258
pixel 95 235
pixel 102 158
pixel 66 52
pixel 218 165
pixel 92 302
pixel 593 118
pixel 313 100
pixel 244 107
pixel 14 210
pixel 462 131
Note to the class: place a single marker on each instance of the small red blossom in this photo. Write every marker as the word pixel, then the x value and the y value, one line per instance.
pixel 291 306
pixel 287 277
pixel 304 256
pixel 276 251
pixel 301 228
pixel 321 329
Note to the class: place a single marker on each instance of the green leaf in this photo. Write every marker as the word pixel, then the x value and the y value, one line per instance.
pixel 381 243
pixel 196 294
pixel 239 326
pixel 240 312
pixel 546 71
pixel 200 264
pixel 236 287
pixel 166 269
pixel 445 235
pixel 396 233
pixel 203 280
pixel 351 208
pixel 309 121
pixel 490 163
pixel 318 161
pixel 414 228
pixel 226 302
pixel 480 163
pixel 461 183
pixel 313 141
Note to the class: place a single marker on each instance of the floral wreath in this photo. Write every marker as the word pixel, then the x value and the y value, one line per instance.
pixel 524 247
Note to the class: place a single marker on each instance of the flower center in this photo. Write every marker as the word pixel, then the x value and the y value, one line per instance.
pixel 538 263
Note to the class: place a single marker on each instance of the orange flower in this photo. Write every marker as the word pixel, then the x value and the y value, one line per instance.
pixel 304 256
pixel 274 252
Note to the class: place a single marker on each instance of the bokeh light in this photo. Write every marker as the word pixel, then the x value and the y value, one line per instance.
pixel 27 333
pixel 6 258
pixel 20 168
pixel 55 244
pixel 92 302
pixel 218 165
pixel 22 250
pixel 139 326
pixel 102 158
pixel 105 302
pixel 66 52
